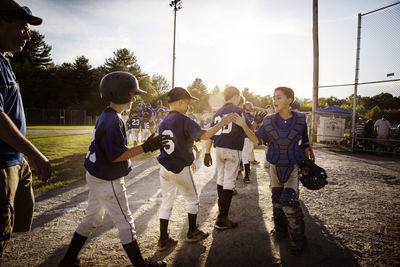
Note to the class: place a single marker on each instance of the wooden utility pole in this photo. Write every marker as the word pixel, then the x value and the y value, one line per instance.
pixel 315 72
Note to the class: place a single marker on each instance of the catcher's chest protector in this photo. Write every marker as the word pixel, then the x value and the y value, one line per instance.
pixel 284 150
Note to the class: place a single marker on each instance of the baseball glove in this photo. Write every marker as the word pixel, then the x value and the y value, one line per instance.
pixel 154 143
pixel 312 176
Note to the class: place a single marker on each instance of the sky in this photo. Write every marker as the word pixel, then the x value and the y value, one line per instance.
pixel 255 44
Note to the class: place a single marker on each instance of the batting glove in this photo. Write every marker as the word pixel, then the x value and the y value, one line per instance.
pixel 259 117
pixel 207 160
pixel 154 143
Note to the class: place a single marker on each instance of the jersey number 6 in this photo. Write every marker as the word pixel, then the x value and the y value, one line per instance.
pixel 170 147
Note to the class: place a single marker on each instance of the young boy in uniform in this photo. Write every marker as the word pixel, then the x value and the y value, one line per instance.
pixel 282 131
pixel 228 143
pixel 133 125
pixel 175 161
pixel 107 163
pixel 248 146
pixel 145 125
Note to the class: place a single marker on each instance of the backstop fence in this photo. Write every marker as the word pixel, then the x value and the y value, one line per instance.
pixel 58 117
pixel 377 72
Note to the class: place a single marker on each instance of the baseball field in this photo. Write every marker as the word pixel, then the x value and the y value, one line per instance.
pixel 353 221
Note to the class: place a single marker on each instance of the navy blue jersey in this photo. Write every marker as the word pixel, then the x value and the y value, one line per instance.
pixel 249 116
pixel 108 143
pixel 10 104
pixel 232 135
pixel 133 122
pixel 145 124
pixel 181 131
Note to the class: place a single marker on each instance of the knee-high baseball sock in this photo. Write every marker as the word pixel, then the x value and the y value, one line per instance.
pixel 134 254
pixel 247 170
pixel 226 198
pixel 220 188
pixel 74 248
pixel 192 222
pixel 163 229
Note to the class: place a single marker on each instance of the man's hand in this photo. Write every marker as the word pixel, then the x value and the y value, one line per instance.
pixel 41 165
pixel 154 143
pixel 207 159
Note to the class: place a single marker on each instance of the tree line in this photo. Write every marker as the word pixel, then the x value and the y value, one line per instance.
pixel 46 85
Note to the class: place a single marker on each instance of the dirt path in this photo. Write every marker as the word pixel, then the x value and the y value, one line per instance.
pixel 353 221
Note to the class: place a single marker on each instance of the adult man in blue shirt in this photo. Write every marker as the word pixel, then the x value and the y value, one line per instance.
pixel 16 194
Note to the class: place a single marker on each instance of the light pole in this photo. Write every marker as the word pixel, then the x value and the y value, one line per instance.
pixel 177 5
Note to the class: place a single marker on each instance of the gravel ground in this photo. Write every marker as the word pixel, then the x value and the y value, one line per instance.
pixel 353 221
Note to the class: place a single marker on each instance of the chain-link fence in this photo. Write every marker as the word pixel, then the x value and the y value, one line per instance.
pixel 58 117
pixel 375 93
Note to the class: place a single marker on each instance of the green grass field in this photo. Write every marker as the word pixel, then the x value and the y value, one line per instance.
pixel 66 153
pixel 55 127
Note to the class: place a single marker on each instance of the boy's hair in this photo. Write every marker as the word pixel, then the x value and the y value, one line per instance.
pixel 230 91
pixel 287 91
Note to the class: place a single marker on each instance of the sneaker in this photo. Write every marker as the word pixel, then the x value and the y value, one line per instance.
pixel 164 244
pixel 195 236
pixel 73 263
pixel 246 180
pixel 278 235
pixel 254 162
pixel 149 263
pixel 225 223
pixel 296 247
pixel 234 192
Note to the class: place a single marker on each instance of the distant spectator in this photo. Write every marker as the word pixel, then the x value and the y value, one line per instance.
pixel 382 128
pixel 360 128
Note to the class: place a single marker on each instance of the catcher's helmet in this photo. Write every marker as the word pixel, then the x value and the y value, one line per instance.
pixel 117 86
pixel 312 176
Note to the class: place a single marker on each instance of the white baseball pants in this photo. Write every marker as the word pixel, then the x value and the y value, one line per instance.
pixel 247 149
pixel 108 196
pixel 170 183
pixel 227 164
pixel 145 134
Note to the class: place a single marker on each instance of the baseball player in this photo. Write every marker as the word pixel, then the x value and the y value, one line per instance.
pixel 107 162
pixel 133 126
pixel 248 145
pixel 283 131
pixel 228 143
pixel 145 126
pixel 175 161
pixel 159 105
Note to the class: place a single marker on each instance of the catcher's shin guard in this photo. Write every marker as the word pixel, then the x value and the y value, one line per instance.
pixel 293 212
pixel 280 220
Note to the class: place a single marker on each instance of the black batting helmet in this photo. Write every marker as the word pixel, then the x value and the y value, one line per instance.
pixel 312 176
pixel 116 87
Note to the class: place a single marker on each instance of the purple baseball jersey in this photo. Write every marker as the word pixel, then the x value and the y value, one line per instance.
pixel 230 136
pixel 181 131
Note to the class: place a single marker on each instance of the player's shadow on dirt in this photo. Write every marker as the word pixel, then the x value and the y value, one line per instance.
pixel 323 249
pixel 249 244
